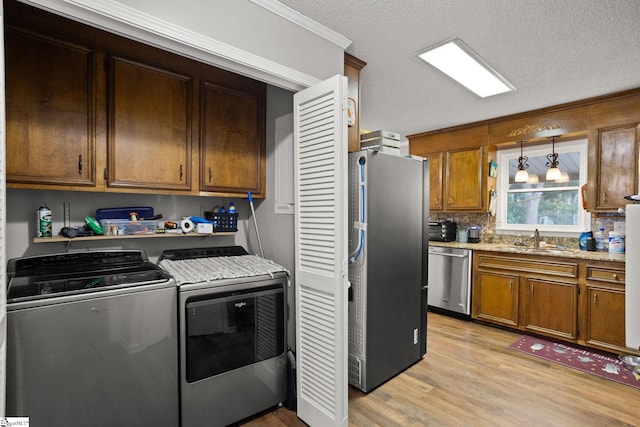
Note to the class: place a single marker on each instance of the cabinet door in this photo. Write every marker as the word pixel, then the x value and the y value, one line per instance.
pixel 464 179
pixel 435 181
pixel 551 308
pixel 606 318
pixel 617 166
pixel 232 140
pixel 149 141
pixel 50 109
pixel 496 298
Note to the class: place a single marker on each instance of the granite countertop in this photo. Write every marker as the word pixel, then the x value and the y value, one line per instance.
pixel 565 253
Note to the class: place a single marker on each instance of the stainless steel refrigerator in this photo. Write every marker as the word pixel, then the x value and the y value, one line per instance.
pixel 388 262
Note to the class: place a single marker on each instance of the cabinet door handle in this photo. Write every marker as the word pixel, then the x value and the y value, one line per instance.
pixel 80 164
pixel 210 174
pixel 510 284
pixel 595 298
pixel 615 276
pixel 180 172
pixel 604 196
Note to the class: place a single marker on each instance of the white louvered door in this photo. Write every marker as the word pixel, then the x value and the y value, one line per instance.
pixel 320 138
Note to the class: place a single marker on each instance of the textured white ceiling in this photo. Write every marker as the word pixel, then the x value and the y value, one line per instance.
pixel 552 51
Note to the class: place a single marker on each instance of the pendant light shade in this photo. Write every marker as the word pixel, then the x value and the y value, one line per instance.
pixel 522 175
pixel 553 173
pixel 533 179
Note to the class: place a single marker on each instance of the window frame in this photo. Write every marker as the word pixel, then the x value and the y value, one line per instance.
pixel 502 184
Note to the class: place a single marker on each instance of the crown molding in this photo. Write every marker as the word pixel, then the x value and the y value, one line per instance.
pixel 302 21
pixel 118 18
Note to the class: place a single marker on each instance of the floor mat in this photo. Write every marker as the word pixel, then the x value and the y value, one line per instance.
pixel 599 364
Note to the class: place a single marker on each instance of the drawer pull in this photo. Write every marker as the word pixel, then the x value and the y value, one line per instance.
pixel 615 276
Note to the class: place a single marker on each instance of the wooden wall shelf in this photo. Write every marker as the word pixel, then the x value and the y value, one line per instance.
pixel 128 236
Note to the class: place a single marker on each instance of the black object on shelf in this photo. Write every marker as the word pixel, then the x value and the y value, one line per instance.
pixel 223 221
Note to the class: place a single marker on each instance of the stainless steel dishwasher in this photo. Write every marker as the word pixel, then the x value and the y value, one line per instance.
pixel 450 279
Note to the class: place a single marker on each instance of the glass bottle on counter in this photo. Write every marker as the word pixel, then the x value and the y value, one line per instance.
pixel 600 240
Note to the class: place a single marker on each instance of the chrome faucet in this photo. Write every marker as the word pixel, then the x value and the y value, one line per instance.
pixel 536 238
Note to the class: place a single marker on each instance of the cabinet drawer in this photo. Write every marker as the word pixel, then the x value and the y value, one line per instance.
pixel 529 265
pixel 602 274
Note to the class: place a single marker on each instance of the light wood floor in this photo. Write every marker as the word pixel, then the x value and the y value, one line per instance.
pixel 469 377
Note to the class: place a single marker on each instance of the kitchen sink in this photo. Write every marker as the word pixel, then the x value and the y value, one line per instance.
pixel 541 250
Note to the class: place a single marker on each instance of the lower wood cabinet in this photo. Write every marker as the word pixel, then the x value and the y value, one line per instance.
pixel 495 297
pixel 551 307
pixel 574 300
pixel 605 307
pixel 537 294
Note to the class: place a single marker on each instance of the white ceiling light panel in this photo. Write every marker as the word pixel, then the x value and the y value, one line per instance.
pixel 458 61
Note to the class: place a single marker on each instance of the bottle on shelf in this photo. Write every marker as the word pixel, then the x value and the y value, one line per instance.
pixel 232 208
pixel 600 240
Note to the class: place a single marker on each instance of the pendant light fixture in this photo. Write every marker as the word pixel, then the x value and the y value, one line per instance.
pixel 553 173
pixel 522 175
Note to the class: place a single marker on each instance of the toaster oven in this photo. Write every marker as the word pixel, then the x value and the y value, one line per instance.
pixel 442 231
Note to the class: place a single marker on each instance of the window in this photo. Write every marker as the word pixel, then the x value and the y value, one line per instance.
pixel 546 205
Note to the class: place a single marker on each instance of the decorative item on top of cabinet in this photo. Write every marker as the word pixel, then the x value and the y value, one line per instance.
pixel 352 67
pixel 50 107
pixel 232 139
pixel 149 131
pixel 539 127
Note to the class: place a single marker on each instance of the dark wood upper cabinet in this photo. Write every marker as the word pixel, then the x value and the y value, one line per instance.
pixel 232 139
pixel 616 165
pixel 89 110
pixel 149 137
pixel 50 109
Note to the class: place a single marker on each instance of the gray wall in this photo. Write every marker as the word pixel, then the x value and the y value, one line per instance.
pixel 276 230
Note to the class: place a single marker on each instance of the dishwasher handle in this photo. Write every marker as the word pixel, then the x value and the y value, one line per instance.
pixel 449 255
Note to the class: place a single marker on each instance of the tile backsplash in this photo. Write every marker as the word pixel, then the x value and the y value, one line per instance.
pixel 488 227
